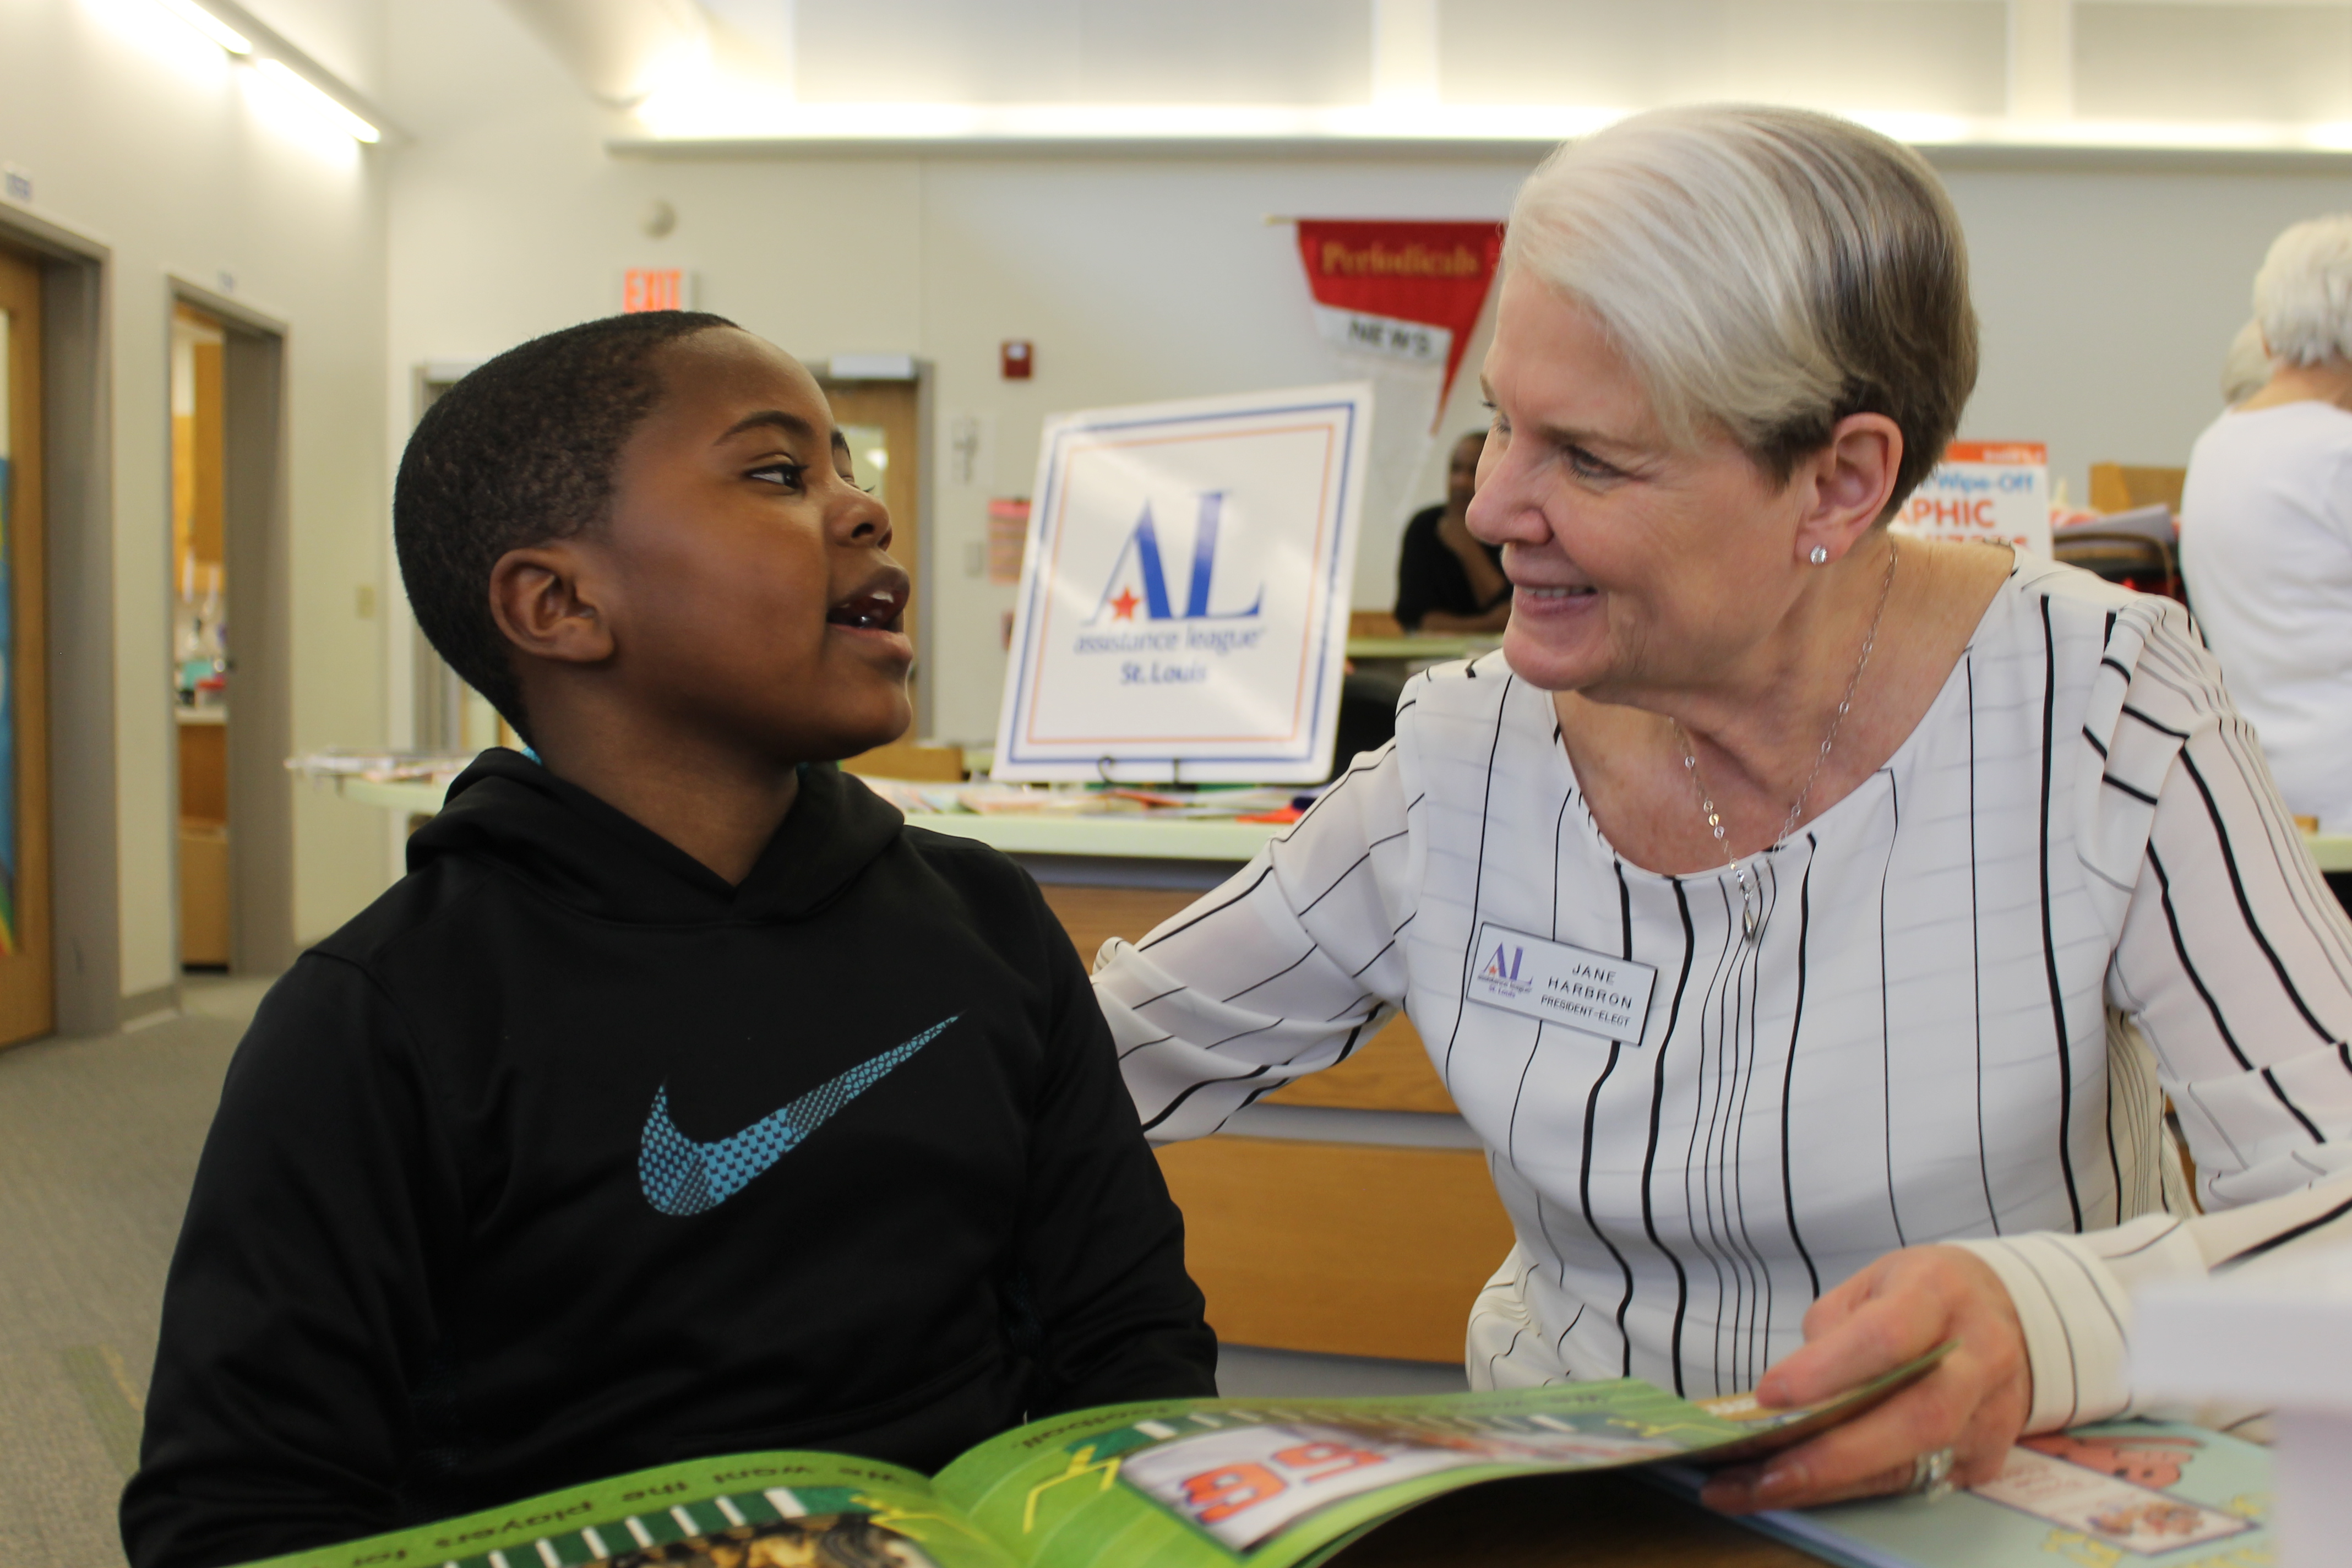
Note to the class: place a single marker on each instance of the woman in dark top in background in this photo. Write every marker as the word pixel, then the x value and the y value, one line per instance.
pixel 1447 581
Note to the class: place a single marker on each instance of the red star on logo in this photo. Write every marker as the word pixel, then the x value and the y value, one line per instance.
pixel 1123 607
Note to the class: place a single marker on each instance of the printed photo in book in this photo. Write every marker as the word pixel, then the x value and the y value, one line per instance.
pixel 846 1540
pixel 2126 1494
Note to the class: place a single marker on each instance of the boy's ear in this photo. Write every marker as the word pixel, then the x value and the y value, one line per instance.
pixel 537 597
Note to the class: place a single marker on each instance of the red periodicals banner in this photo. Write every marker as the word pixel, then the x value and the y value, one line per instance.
pixel 1401 289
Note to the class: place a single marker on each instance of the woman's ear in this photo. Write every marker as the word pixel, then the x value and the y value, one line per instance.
pixel 545 607
pixel 1852 478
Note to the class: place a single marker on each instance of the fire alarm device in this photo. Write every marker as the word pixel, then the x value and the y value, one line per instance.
pixel 1014 359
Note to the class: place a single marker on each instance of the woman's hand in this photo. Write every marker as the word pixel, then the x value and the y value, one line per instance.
pixel 1974 1401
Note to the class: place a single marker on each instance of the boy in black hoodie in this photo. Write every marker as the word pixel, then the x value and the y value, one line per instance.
pixel 681 1099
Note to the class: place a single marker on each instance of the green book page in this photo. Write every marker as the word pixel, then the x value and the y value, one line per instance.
pixel 746 1510
pixel 1181 1481
pixel 1199 1482
pixel 2126 1494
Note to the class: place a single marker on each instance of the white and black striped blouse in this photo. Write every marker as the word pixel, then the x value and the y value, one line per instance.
pixel 2071 892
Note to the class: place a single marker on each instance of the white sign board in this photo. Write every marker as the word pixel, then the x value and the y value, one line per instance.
pixel 1994 492
pixel 1183 609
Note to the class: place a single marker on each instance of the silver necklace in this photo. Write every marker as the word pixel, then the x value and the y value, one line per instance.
pixel 1751 890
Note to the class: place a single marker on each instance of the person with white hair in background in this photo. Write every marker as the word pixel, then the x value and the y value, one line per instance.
pixel 2246 367
pixel 2266 526
pixel 1810 920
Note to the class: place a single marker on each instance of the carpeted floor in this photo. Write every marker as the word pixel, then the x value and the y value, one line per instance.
pixel 98 1143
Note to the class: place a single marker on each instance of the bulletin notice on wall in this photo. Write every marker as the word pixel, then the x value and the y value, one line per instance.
pixel 1183 610
pixel 1991 493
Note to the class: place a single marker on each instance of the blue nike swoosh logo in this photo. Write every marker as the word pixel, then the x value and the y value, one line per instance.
pixel 681 1176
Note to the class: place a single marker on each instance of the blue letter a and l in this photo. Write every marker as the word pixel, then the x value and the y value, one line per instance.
pixel 1143 542
pixel 1204 565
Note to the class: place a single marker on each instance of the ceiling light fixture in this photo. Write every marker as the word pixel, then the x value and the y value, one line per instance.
pixel 292 84
pixel 752 118
pixel 195 16
pixel 315 98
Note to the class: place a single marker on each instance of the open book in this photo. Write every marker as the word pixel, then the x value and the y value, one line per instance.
pixel 1173 1483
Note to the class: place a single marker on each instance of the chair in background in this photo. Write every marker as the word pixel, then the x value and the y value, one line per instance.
pixel 2143 564
pixel 2136 543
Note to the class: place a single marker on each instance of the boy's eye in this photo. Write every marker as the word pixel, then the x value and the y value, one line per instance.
pixel 792 475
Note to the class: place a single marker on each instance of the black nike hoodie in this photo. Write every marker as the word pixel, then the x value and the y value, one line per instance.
pixel 566 1158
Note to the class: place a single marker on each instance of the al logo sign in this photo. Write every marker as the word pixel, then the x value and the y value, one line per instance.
pixel 1141 562
pixel 1183 609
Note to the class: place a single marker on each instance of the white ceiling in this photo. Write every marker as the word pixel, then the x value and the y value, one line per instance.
pixel 2137 72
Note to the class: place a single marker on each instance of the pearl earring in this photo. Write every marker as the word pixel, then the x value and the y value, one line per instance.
pixel 1821 555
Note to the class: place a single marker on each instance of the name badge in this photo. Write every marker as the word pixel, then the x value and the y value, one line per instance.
pixel 1575 987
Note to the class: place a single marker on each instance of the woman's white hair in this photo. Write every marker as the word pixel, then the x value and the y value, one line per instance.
pixel 2246 368
pixel 1765 271
pixel 2303 295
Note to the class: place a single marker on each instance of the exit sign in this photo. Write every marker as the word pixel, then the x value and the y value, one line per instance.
pixel 653 288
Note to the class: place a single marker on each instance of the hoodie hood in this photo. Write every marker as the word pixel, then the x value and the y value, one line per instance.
pixel 510 811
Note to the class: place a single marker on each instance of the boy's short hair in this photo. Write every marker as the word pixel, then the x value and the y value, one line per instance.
pixel 520 452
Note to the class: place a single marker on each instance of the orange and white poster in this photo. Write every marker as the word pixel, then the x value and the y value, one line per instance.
pixel 1992 492
pixel 1183 609
pixel 1395 302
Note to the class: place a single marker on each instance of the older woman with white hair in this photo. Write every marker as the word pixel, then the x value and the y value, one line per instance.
pixel 2266 525
pixel 1810 920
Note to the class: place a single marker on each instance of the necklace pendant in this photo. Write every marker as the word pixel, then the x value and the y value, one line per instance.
pixel 1750 925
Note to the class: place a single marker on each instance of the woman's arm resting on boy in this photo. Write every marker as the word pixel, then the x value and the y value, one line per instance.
pixel 296 1310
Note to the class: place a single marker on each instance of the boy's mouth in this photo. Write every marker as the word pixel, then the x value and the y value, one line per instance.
pixel 874 607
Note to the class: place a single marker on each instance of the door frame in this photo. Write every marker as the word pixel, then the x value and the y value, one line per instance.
pixel 77 506
pixel 32 1002
pixel 435 697
pixel 259 568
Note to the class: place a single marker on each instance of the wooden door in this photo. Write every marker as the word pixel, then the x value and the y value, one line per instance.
pixel 881 421
pixel 28 981
pixel 199 616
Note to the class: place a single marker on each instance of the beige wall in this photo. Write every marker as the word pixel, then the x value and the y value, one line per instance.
pixel 152 148
pixel 1136 280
